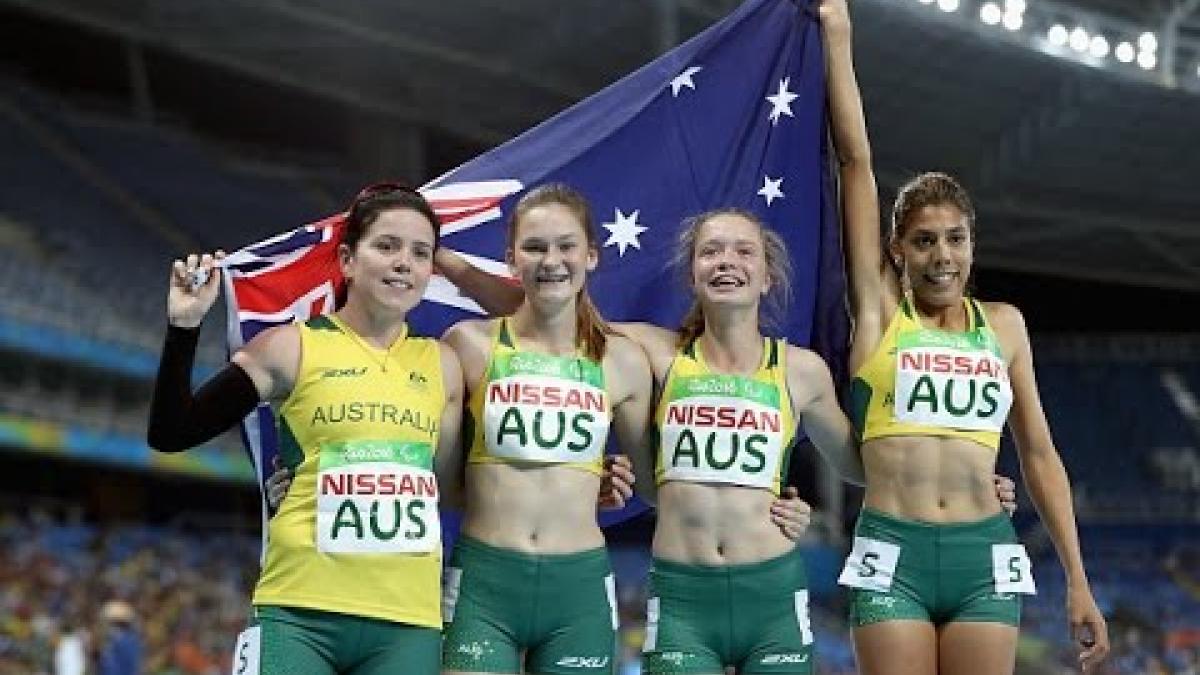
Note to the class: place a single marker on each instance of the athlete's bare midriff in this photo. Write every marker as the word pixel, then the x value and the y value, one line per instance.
pixel 930 479
pixel 533 509
pixel 707 524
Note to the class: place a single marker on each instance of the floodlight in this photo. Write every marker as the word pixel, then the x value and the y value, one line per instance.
pixel 990 13
pixel 1080 39
pixel 1058 35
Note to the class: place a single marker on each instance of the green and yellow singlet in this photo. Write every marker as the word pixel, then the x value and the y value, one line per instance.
pixel 734 429
pixel 929 382
pixel 538 408
pixel 358 532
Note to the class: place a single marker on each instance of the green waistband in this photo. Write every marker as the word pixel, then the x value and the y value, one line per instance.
pixel 998 524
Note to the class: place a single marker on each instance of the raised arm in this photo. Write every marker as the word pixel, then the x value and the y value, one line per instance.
pixel 816 404
pixel 448 461
pixel 263 369
pixel 870 277
pixel 496 295
pixel 1049 487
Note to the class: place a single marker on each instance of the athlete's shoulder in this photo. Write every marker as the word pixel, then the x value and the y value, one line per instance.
pixel 647 335
pixel 472 327
pixel 470 332
pixel 804 362
pixel 275 339
pixel 624 352
pixel 1009 326
pixel 1003 313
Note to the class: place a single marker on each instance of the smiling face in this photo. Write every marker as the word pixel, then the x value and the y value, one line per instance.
pixel 390 265
pixel 729 262
pixel 935 251
pixel 550 253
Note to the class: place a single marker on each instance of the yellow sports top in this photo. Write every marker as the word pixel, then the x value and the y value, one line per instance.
pixel 929 382
pixel 538 408
pixel 733 429
pixel 358 532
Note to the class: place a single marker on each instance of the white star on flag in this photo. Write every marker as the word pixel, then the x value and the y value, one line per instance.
pixel 684 79
pixel 770 189
pixel 781 101
pixel 624 231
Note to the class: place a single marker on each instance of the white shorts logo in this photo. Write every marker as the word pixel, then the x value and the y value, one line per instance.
pixel 776 659
pixel 582 661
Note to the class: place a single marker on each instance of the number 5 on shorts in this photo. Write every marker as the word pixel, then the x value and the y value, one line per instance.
pixel 245 654
pixel 871 565
pixel 1011 569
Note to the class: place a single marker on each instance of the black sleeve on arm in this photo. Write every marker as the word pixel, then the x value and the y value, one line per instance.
pixel 180 419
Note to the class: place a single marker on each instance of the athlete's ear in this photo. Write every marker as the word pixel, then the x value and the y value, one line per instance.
pixel 345 257
pixel 510 259
pixel 593 258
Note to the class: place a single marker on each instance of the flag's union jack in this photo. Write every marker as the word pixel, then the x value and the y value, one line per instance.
pixel 734 117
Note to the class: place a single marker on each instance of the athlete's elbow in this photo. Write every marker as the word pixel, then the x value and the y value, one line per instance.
pixel 163 440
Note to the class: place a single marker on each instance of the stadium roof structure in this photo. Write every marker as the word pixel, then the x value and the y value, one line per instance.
pixel 1078 170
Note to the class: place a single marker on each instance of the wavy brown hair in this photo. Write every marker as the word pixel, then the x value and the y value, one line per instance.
pixel 930 189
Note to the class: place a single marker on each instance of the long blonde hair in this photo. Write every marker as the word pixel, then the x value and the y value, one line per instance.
pixel 779 269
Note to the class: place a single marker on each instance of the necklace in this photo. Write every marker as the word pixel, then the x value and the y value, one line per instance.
pixel 371 351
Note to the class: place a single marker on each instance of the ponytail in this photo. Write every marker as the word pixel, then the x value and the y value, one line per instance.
pixel 691 326
pixel 591 328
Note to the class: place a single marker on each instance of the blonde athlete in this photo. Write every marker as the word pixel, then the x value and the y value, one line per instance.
pixel 936 570
pixel 727 589
pixel 368 421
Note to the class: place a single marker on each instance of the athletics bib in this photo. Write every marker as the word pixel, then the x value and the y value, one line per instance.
pixel 541 408
pixel 951 381
pixel 377 497
pixel 722 429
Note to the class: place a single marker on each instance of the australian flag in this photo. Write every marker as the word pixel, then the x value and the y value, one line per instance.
pixel 735 117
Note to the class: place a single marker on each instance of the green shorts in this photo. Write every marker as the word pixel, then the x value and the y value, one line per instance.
pixel 295 640
pixel 702 619
pixel 560 610
pixel 939 573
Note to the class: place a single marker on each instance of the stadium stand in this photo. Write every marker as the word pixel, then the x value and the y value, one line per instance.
pixel 86 235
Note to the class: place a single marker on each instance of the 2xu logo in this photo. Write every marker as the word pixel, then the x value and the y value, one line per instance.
pixel 582 661
pixel 776 659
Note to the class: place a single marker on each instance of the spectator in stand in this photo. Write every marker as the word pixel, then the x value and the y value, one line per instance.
pixel 121 646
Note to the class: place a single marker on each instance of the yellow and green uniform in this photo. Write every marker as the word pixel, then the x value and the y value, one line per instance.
pixel 716 428
pixel 559 610
pixel 929 382
pixel 358 532
pixel 538 408
pixel 735 430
